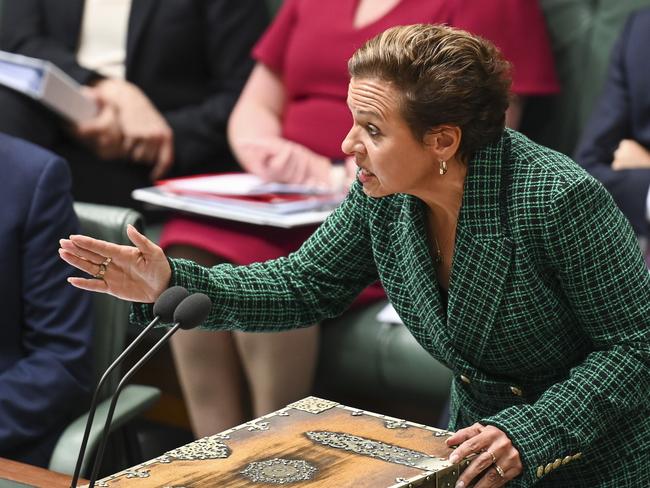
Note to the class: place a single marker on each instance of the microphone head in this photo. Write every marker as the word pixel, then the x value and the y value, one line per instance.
pixel 192 311
pixel 168 301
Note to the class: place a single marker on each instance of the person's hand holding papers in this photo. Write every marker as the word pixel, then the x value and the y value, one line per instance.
pixel 103 133
pixel 147 138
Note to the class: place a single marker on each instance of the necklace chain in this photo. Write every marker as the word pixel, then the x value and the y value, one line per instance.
pixel 438 257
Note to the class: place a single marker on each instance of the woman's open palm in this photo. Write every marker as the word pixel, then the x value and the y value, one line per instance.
pixel 138 274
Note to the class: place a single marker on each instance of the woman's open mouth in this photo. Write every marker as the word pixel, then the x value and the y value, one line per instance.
pixel 364 175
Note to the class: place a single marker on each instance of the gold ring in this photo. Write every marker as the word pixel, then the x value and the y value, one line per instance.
pixel 494 459
pixel 499 470
pixel 102 268
pixel 102 271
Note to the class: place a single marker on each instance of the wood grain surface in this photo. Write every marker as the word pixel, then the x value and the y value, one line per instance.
pixel 286 439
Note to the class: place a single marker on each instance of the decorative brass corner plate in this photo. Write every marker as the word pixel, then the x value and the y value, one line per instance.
pixel 201 449
pixel 313 405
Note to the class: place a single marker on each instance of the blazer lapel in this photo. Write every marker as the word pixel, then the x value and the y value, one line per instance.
pixel 140 12
pixel 420 302
pixel 483 251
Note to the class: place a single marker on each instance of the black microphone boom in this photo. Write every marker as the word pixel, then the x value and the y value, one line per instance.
pixel 163 310
pixel 190 313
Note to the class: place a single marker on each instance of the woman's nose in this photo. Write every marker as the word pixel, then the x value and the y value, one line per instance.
pixel 347 146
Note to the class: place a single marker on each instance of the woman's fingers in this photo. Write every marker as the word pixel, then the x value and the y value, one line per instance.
pixel 103 248
pixel 462 435
pixel 144 245
pixel 278 166
pixel 478 465
pixel 93 257
pixel 89 284
pixel 79 263
pixel 164 160
pixel 301 170
pixel 491 479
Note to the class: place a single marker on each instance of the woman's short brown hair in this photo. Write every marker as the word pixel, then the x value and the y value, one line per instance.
pixel 445 76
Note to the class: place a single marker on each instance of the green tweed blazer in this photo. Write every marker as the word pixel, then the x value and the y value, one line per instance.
pixel 547 329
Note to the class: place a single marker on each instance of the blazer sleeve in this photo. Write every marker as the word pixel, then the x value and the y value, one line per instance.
pixel 232 28
pixel 318 281
pixel 23 31
pixel 604 280
pixel 43 389
pixel 608 125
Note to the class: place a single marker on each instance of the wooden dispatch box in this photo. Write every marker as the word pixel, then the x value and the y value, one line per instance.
pixel 312 443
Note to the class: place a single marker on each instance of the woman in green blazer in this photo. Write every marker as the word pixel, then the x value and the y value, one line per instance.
pixel 507 262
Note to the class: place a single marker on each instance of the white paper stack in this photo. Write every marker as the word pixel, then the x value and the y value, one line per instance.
pixel 245 198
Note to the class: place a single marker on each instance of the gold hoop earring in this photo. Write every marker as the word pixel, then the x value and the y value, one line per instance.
pixel 443 167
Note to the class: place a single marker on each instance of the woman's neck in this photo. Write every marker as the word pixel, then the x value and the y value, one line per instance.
pixel 444 195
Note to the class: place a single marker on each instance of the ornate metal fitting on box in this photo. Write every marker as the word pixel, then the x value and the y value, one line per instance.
pixel 279 471
pixel 313 405
pixel 446 478
pixel 395 424
pixel 442 433
pixel 257 425
pixel 130 473
pixel 369 447
pixel 201 449
pixel 135 473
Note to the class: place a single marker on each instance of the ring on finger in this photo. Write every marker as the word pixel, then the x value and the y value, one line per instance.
pixel 102 271
pixel 499 470
pixel 102 268
pixel 494 459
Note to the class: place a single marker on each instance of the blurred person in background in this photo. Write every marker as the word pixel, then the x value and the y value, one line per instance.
pixel 46 330
pixel 615 145
pixel 165 75
pixel 287 126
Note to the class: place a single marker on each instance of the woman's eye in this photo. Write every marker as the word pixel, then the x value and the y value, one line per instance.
pixel 372 130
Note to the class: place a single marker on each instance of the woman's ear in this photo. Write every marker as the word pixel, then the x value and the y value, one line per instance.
pixel 443 141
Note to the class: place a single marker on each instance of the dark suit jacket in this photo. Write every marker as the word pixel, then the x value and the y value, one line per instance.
pixel 547 329
pixel 623 112
pixel 190 57
pixel 45 326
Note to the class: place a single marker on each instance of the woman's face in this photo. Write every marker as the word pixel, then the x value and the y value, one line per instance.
pixel 391 159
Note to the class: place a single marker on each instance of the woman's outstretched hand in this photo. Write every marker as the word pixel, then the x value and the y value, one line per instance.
pixel 138 274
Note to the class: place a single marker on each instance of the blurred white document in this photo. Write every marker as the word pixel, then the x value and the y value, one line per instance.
pixel 43 81
pixel 388 315
pixel 237 184
pixel 245 198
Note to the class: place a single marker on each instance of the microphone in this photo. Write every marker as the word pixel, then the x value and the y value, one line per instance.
pixel 164 310
pixel 190 313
